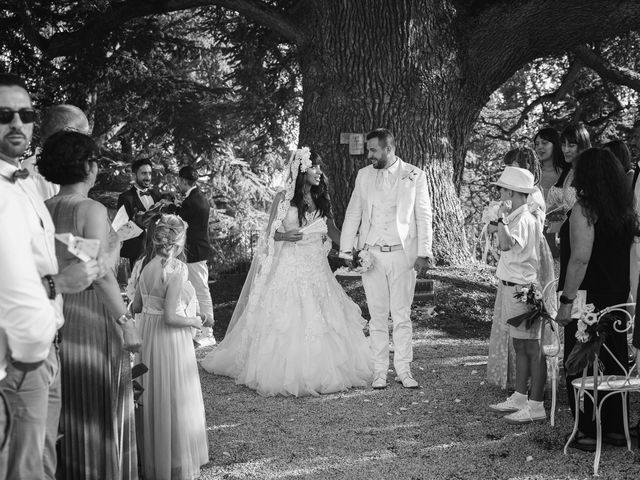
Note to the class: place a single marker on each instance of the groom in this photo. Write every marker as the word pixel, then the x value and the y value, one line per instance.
pixel 390 212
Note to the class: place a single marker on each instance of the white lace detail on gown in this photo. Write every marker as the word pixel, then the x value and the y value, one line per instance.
pixel 306 338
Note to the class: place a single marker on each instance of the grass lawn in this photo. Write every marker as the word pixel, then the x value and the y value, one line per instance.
pixel 441 431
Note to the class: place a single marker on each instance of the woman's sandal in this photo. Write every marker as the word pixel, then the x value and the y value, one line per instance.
pixel 584 443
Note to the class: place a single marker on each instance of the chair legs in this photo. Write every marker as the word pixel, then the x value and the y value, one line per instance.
pixel 575 422
pixel 598 412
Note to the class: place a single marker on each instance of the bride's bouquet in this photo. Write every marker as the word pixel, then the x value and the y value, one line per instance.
pixel 490 212
pixel 362 261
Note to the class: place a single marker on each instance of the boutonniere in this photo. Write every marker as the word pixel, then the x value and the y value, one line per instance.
pixel 411 175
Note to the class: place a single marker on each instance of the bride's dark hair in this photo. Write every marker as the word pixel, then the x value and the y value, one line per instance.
pixel 319 193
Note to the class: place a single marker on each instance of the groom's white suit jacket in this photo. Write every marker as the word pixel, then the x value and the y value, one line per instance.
pixel 413 211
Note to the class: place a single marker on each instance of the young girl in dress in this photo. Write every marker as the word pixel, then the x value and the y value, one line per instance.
pixel 173 431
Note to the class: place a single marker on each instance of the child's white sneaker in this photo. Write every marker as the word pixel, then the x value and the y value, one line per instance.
pixel 528 414
pixel 517 401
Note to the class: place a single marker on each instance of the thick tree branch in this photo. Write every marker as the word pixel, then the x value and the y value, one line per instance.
pixel 563 89
pixel 529 29
pixel 66 43
pixel 620 76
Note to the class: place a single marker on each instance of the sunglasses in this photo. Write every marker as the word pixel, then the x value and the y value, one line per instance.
pixel 27 115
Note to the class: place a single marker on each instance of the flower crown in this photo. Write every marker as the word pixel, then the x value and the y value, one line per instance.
pixel 303 159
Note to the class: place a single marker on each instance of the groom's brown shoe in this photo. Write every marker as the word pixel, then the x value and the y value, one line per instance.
pixel 379 381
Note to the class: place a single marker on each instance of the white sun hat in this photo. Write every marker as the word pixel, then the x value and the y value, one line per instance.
pixel 516 179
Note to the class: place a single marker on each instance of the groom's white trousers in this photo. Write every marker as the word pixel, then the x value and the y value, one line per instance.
pixel 389 287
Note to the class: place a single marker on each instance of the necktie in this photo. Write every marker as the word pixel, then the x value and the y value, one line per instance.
pixel 20 174
pixel 383 179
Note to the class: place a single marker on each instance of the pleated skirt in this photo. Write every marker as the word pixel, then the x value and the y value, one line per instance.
pixel 97 417
pixel 174 438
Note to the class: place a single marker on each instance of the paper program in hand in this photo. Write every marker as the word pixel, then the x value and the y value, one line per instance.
pixel 84 248
pixel 128 230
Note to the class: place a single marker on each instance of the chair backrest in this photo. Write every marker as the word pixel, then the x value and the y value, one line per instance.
pixel 623 323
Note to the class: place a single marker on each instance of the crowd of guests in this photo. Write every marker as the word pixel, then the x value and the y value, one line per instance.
pixel 66 336
pixel 580 204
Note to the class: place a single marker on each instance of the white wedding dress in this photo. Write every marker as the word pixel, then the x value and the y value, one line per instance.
pixel 303 336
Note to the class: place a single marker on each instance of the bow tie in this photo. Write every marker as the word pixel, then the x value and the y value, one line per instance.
pixel 19 174
pixel 143 192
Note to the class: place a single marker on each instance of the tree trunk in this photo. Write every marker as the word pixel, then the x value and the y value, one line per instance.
pixel 409 81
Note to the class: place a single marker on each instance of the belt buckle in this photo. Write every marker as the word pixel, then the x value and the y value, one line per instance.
pixel 385 248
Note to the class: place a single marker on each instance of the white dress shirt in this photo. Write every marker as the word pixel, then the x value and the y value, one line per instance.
pixel 520 263
pixel 28 319
pixel 45 188
pixel 40 226
pixel 145 198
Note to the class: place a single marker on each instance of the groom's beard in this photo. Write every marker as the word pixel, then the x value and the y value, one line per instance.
pixel 382 163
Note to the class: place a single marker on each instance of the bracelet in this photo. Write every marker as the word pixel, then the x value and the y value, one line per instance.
pixel 566 300
pixel 52 287
pixel 122 319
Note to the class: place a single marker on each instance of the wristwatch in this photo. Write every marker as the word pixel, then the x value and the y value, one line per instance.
pixel 503 221
pixel 566 300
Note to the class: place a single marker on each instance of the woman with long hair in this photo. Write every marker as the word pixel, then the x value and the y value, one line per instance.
pixel 549 150
pixel 97 417
pixel 294 330
pixel 562 196
pixel 594 256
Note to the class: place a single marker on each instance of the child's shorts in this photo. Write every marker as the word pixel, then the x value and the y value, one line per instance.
pixel 510 307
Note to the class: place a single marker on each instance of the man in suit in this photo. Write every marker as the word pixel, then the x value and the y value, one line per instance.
pixel 137 201
pixel 390 211
pixel 195 211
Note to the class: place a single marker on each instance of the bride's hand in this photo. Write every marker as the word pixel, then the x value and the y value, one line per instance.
pixel 198 321
pixel 290 236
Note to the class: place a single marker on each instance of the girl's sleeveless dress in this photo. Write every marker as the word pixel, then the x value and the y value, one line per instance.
pixel 174 444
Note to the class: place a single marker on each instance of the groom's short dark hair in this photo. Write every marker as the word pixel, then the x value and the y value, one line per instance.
pixel 383 135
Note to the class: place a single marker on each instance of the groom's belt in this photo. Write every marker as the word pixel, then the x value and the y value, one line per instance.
pixel 384 248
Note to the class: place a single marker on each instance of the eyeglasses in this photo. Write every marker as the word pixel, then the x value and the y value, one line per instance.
pixel 27 115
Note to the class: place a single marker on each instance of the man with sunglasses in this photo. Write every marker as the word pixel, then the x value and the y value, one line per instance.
pixel 31 388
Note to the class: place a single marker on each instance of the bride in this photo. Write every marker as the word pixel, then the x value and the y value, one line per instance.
pixel 294 330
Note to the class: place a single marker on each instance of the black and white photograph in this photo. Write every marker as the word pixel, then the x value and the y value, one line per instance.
pixel 319 239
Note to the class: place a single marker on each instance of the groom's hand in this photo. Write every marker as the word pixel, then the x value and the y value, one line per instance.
pixel 347 258
pixel 423 264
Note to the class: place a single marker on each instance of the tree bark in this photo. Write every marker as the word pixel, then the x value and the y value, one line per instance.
pixel 394 66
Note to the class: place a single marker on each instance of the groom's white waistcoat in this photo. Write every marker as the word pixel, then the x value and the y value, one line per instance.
pixel 413 211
